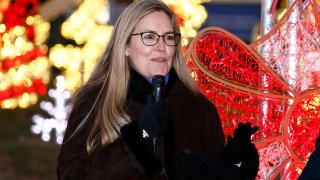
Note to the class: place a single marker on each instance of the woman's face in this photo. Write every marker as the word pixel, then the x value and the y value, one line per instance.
pixel 151 60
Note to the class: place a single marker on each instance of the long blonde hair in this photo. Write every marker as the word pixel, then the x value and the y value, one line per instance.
pixel 112 74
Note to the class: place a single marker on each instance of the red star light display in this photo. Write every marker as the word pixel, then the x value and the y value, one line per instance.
pixel 274 83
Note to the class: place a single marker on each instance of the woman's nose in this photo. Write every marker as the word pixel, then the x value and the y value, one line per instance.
pixel 161 45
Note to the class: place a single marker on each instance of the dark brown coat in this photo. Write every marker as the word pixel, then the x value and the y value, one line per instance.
pixel 193 123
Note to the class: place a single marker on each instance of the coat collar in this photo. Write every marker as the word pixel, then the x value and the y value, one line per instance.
pixel 140 88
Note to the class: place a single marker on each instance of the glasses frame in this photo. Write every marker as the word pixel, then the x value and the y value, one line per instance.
pixel 176 34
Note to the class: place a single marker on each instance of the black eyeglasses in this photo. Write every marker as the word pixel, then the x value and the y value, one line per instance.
pixel 151 39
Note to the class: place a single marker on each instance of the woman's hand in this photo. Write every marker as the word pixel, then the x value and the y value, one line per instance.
pixel 152 120
pixel 240 154
pixel 240 159
pixel 140 135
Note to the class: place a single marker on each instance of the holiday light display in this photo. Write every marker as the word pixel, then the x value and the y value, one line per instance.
pixel 191 14
pixel 88 27
pixel 23 62
pixel 57 111
pixel 292 50
pixel 240 82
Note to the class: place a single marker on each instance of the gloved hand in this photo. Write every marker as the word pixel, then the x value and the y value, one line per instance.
pixel 240 159
pixel 139 135
pixel 240 154
pixel 152 120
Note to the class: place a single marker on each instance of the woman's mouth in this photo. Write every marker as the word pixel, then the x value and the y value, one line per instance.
pixel 159 60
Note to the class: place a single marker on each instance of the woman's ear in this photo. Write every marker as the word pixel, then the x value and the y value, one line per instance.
pixel 127 51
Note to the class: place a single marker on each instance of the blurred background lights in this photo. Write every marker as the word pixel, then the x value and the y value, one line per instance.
pixel 88 27
pixel 58 112
pixel 24 67
pixel 191 14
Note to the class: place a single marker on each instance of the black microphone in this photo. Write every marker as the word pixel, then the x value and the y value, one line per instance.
pixel 158 89
pixel 158 85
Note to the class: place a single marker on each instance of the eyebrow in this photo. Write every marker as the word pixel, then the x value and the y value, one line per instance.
pixel 167 32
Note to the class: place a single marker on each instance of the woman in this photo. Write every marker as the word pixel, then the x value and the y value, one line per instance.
pixel 115 129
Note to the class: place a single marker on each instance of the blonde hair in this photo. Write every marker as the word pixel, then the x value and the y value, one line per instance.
pixel 112 74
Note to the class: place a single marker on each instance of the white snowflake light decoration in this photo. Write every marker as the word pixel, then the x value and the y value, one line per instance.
pixel 58 112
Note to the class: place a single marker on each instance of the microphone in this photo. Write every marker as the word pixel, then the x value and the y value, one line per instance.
pixel 158 87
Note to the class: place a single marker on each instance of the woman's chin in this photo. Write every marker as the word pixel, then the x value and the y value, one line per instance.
pixel 159 73
pixel 162 72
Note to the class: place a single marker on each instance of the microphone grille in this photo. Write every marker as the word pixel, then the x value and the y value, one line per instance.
pixel 158 81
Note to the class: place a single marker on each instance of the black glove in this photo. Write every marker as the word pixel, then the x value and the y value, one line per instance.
pixel 152 120
pixel 139 135
pixel 240 154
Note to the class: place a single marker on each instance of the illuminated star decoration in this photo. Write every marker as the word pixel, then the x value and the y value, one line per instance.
pixel 58 112
pixel 24 67
pixel 292 50
pixel 241 82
